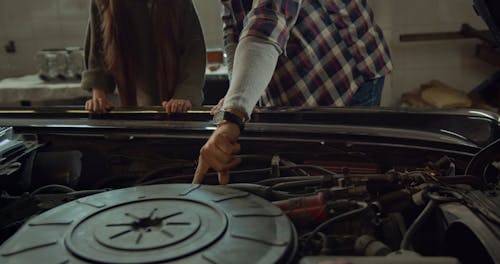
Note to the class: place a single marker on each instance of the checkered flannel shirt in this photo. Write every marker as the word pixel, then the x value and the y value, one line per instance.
pixel 330 47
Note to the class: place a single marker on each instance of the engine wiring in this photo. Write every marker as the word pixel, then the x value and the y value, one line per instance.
pixel 357 199
pixel 283 187
pixel 342 217
pixel 435 198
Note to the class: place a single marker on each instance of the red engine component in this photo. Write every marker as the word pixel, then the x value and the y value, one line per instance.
pixel 305 210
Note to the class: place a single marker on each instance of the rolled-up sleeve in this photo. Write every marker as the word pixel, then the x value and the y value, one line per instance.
pixel 95 74
pixel 272 20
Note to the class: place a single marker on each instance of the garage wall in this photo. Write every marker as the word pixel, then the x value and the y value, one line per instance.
pixel 209 11
pixel 35 25
pixel 451 61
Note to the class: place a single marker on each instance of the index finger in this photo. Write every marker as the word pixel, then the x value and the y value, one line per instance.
pixel 201 171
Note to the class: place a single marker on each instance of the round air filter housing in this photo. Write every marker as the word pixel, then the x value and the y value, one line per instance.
pixel 176 223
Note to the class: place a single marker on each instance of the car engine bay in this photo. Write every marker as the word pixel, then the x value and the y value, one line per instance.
pixel 123 198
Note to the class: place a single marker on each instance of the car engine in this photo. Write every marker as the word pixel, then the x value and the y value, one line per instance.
pixel 308 207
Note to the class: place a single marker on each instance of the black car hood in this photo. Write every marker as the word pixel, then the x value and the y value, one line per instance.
pixel 472 128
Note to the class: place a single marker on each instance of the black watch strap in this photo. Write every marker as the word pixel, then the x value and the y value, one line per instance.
pixel 229 117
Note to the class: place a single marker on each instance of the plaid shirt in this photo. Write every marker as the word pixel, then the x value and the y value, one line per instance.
pixel 330 47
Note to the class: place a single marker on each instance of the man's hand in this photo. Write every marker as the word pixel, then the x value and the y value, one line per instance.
pixel 218 153
pixel 177 106
pixel 99 103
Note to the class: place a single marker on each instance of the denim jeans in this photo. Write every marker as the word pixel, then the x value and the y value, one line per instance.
pixel 368 94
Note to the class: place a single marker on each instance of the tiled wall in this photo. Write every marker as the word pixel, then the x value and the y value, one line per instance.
pixel 38 24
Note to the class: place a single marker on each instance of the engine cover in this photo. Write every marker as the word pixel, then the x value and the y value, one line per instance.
pixel 176 223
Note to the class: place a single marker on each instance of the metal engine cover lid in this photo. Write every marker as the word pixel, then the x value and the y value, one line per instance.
pixel 178 223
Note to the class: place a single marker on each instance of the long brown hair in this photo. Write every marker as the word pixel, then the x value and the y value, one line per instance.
pixel 120 48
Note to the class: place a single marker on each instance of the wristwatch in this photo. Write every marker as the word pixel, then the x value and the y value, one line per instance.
pixel 228 117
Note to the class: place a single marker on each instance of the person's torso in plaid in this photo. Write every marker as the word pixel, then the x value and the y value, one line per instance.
pixel 330 47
